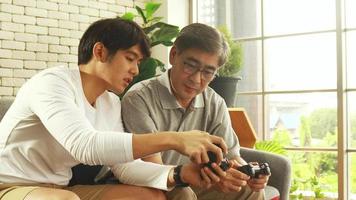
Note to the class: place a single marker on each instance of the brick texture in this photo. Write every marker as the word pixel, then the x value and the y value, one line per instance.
pixel 38 34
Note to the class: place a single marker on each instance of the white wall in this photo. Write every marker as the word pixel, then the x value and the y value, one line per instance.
pixel 37 34
pixel 177 13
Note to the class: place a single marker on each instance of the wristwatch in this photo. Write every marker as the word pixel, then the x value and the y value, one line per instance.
pixel 177 178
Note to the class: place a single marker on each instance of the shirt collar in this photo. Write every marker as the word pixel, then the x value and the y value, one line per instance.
pixel 169 100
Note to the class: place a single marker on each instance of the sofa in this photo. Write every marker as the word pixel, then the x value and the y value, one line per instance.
pixel 279 165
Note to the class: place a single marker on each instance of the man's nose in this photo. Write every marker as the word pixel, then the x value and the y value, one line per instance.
pixel 196 76
pixel 135 70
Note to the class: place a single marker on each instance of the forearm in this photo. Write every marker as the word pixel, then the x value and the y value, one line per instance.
pixel 146 144
pixel 145 174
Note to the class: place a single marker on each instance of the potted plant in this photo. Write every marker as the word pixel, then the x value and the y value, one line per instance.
pixel 225 84
pixel 158 33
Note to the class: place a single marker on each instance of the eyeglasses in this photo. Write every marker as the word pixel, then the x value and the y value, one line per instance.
pixel 206 74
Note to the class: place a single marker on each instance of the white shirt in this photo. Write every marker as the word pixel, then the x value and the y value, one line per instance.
pixel 51 127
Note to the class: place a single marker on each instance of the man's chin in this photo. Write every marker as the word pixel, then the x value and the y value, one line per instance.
pixel 117 91
pixel 190 96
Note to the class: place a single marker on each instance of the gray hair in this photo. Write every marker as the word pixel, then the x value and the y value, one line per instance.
pixel 203 37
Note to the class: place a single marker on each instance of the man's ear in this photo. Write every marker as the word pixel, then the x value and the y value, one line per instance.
pixel 100 53
pixel 172 54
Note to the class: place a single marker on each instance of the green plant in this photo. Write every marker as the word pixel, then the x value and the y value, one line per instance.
pixel 270 146
pixel 158 33
pixel 312 182
pixel 234 62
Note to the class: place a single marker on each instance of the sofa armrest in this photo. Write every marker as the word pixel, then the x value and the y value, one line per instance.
pixel 4 106
pixel 280 169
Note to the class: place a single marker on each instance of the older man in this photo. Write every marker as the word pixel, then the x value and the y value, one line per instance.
pixel 180 99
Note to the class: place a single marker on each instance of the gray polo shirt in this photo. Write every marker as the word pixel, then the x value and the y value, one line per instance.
pixel 150 106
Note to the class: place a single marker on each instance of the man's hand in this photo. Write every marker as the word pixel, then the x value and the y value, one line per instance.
pixel 233 181
pixel 197 176
pixel 257 184
pixel 196 144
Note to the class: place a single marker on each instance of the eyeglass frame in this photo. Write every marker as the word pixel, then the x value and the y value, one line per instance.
pixel 198 68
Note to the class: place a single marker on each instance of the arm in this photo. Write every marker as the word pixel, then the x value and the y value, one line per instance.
pixel 53 100
pixel 158 176
pixel 194 144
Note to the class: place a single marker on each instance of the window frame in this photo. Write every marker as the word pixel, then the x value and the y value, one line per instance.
pixel 342 149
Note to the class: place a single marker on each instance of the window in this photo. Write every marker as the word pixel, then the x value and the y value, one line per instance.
pixel 299 69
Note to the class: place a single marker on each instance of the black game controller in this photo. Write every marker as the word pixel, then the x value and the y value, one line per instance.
pixel 254 171
pixel 224 165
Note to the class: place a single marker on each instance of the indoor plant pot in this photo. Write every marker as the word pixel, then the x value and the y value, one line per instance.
pixel 226 87
pixel 225 84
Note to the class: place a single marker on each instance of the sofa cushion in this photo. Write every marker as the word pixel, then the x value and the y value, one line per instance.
pixel 271 193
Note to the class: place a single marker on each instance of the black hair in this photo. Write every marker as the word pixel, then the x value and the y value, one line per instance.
pixel 203 37
pixel 115 34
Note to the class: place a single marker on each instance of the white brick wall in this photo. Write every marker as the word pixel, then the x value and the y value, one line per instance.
pixel 37 34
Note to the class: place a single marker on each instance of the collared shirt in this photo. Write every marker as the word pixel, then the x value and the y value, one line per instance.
pixel 150 106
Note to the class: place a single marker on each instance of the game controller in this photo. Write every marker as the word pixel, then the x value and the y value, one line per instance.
pixel 252 170
pixel 224 165
pixel 255 170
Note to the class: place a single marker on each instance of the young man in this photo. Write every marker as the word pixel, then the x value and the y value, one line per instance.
pixel 62 117
pixel 181 100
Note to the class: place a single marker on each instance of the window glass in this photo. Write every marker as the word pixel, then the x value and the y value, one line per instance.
pixel 301 62
pixel 352 177
pixel 295 16
pixel 251 71
pixel 245 18
pixel 351 99
pixel 350 6
pixel 253 106
pixel 211 12
pixel 303 120
pixel 313 175
pixel 351 58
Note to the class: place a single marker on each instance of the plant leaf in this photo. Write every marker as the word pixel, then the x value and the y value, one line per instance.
pixel 142 14
pixel 151 7
pixel 159 25
pixel 165 34
pixel 128 16
pixel 160 65
pixel 147 69
pixel 156 19
pixel 235 58
pixel 270 146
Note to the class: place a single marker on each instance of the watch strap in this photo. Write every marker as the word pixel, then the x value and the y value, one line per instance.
pixel 177 178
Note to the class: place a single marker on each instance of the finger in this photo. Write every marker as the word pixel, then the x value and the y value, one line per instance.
pixel 220 142
pixel 236 174
pixel 211 175
pixel 257 187
pixel 195 157
pixel 217 151
pixel 260 180
pixel 204 156
pixel 238 182
pixel 264 177
pixel 204 176
pixel 234 163
pixel 234 188
pixel 218 171
pixel 229 187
